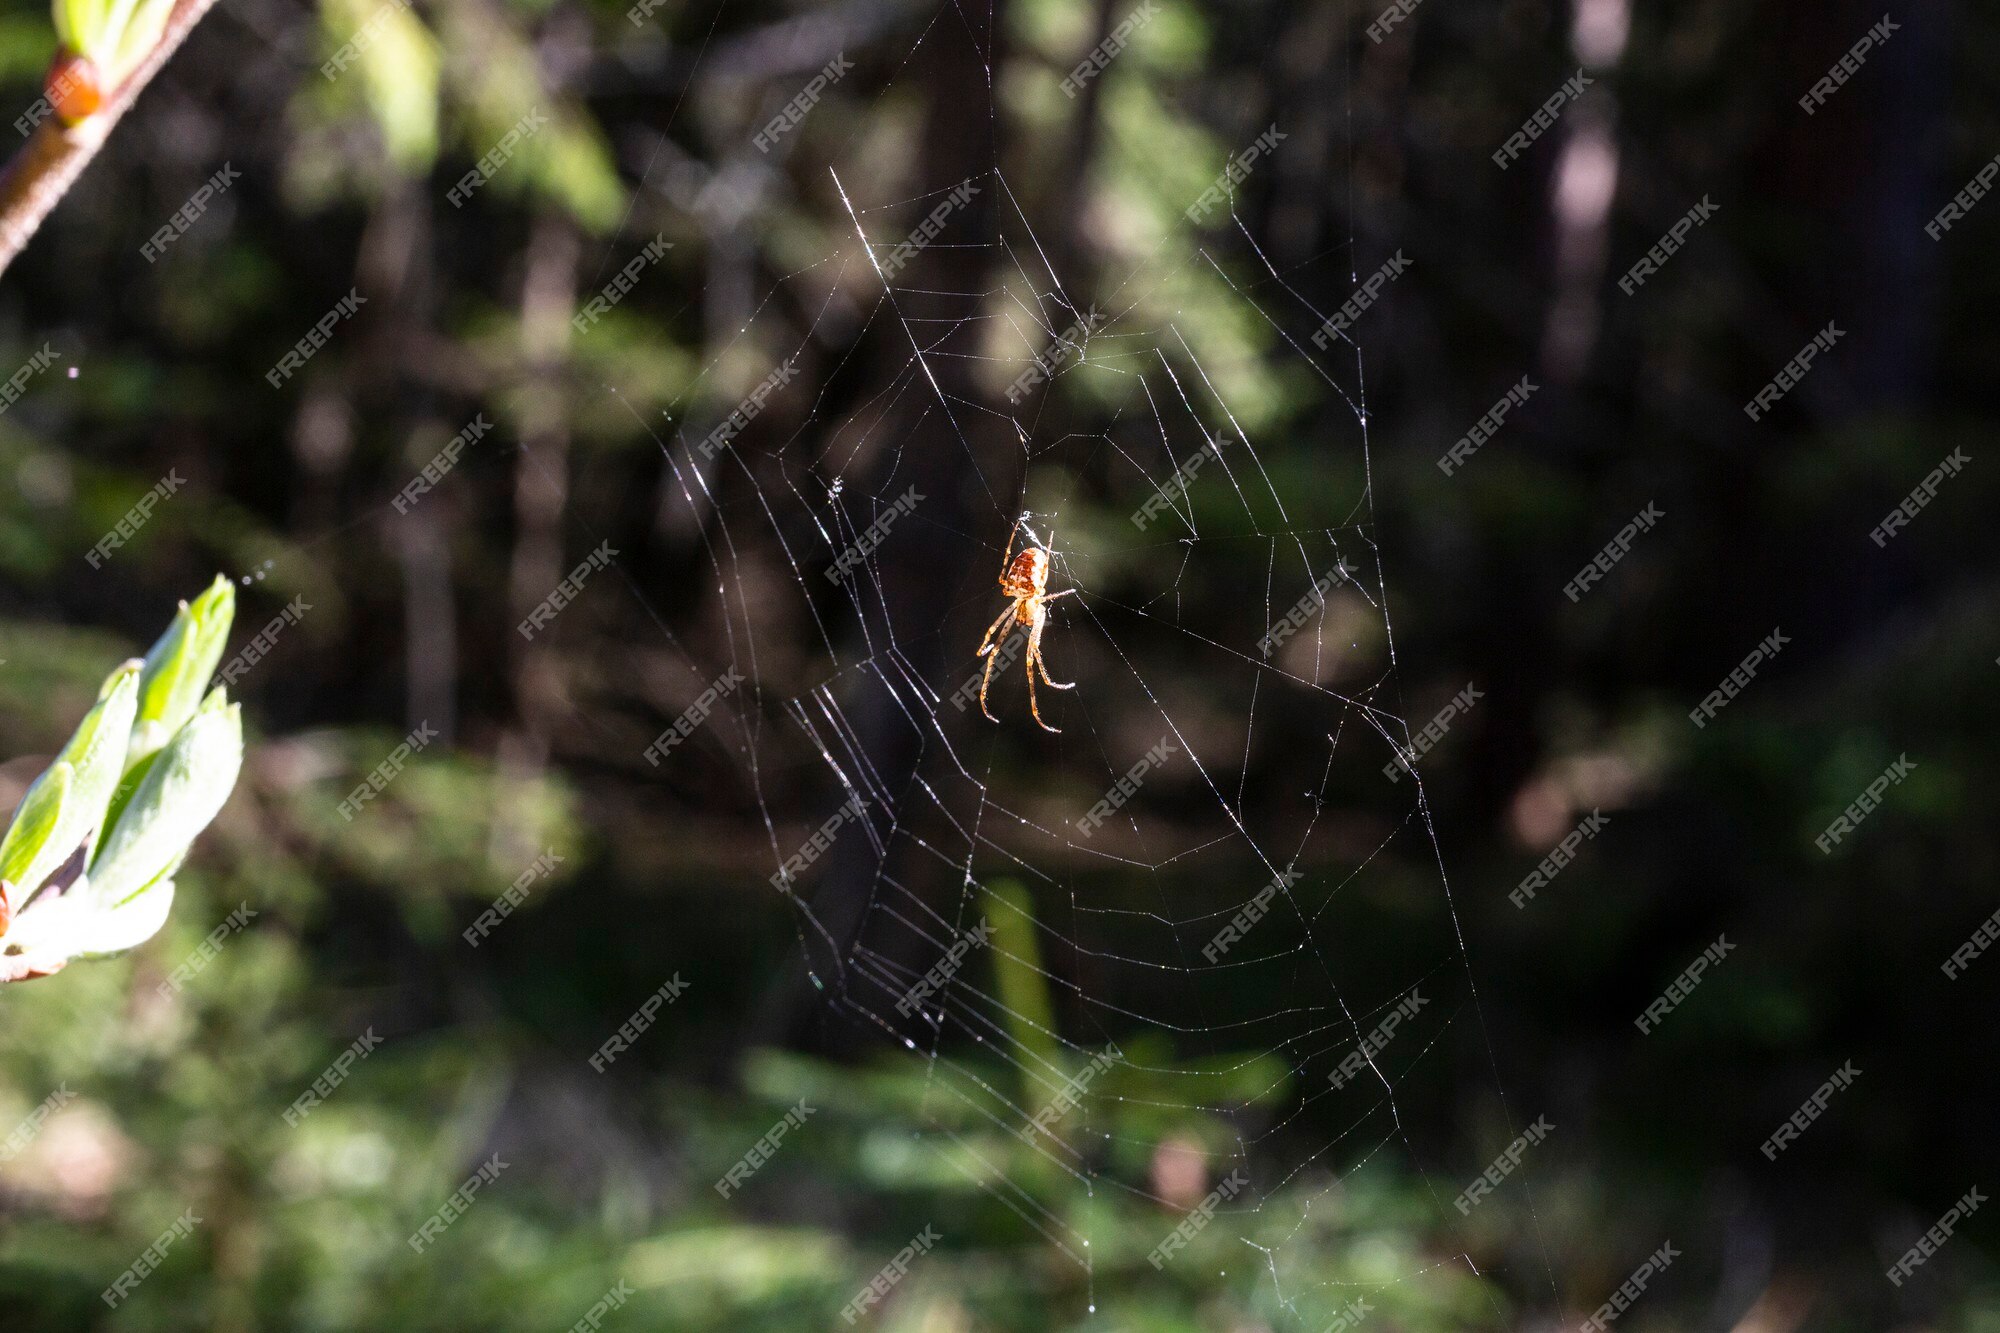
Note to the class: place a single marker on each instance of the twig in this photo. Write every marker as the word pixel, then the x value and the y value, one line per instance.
pixel 55 155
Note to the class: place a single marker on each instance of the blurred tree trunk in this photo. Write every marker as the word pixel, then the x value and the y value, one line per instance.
pixel 541 493
pixel 397 266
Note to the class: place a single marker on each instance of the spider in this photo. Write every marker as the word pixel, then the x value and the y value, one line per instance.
pixel 1024 576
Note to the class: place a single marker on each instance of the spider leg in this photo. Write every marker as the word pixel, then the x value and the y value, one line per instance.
pixel 1035 660
pixel 1035 708
pixel 986 645
pixel 1007 556
pixel 1041 663
pixel 986 650
pixel 985 679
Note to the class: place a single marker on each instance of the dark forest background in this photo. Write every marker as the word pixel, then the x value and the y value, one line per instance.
pixel 1894 650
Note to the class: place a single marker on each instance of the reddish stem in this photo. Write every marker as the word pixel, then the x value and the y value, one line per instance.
pixel 55 155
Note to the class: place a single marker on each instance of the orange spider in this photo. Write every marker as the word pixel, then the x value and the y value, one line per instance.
pixel 1025 578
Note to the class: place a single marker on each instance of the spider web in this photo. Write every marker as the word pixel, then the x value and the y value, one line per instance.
pixel 1091 990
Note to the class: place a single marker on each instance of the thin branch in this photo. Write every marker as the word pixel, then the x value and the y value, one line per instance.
pixel 55 155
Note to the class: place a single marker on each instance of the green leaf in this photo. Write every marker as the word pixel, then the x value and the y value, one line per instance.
pixel 126 786
pixel 180 794
pixel 77 21
pixel 76 925
pixel 97 750
pixel 65 808
pixel 116 35
pixel 146 21
pixel 179 665
pixel 128 925
pixel 33 824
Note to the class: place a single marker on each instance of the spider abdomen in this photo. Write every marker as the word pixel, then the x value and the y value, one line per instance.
pixel 1027 573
